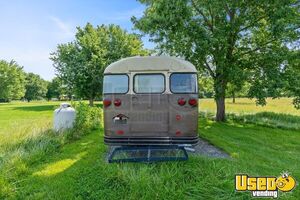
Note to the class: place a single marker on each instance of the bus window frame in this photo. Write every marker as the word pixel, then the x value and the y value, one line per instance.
pixel 128 79
pixel 133 86
pixel 170 77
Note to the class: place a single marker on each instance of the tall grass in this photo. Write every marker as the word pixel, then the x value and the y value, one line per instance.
pixel 267 119
pixel 80 170
pixel 33 144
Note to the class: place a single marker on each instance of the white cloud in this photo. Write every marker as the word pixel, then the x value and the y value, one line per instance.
pixel 124 16
pixel 65 28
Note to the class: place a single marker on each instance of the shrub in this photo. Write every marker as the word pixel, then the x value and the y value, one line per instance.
pixel 87 119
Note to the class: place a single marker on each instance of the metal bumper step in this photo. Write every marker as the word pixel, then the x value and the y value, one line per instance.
pixel 117 141
pixel 147 154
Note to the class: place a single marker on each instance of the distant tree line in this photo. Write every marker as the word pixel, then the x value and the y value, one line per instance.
pixel 16 84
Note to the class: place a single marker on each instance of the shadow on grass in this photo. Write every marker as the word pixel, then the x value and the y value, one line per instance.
pixel 37 108
pixel 60 176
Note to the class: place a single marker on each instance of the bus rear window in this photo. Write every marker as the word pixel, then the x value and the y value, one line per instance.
pixel 149 83
pixel 115 84
pixel 183 83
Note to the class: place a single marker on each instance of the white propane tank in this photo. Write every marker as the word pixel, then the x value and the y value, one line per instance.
pixel 64 117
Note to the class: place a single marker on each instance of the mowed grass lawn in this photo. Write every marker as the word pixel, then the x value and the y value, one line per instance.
pixel 79 169
pixel 247 106
pixel 22 115
pixel 278 113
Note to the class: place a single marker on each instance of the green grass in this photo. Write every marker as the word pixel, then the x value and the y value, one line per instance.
pixel 16 116
pixel 31 139
pixel 78 170
pixel 247 106
pixel 278 113
pixel 24 139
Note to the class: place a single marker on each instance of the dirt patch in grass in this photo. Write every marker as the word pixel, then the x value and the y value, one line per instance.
pixel 206 149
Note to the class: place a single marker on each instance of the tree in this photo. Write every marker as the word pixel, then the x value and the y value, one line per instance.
pixel 237 90
pixel 227 39
pixel 36 87
pixel 206 87
pixel 292 78
pixel 12 81
pixel 81 63
pixel 54 89
pixel 233 89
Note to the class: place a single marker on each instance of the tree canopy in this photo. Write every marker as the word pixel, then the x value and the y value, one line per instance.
pixel 12 81
pixel 54 89
pixel 81 63
pixel 231 41
pixel 36 87
pixel 292 78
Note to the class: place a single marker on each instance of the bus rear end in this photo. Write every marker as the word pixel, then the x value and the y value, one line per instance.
pixel 150 107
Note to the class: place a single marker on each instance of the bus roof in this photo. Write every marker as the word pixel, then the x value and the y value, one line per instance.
pixel 150 64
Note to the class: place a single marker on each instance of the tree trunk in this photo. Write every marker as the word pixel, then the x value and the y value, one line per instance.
pixel 91 101
pixel 220 91
pixel 233 97
pixel 220 117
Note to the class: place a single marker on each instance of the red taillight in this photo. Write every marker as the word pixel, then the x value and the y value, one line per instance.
pixel 193 102
pixel 181 101
pixel 106 102
pixel 178 133
pixel 178 117
pixel 120 132
pixel 117 102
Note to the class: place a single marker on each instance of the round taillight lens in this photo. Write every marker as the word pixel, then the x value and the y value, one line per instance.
pixel 117 102
pixel 181 101
pixel 106 102
pixel 178 133
pixel 193 102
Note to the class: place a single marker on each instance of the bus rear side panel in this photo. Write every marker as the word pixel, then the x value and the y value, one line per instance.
pixel 183 119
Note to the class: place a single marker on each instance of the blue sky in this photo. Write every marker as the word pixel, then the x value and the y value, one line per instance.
pixel 31 29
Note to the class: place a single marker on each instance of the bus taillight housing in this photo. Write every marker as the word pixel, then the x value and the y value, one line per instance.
pixel 193 102
pixel 181 101
pixel 117 102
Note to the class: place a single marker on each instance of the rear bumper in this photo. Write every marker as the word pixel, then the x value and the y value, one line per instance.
pixel 117 141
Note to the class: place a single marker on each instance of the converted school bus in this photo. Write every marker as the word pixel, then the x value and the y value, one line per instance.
pixel 150 101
